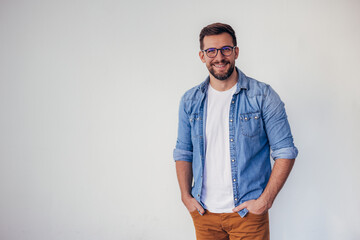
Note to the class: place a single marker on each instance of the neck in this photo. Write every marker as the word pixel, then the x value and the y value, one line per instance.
pixel 223 85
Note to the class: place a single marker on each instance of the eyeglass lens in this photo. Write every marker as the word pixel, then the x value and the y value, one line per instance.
pixel 212 52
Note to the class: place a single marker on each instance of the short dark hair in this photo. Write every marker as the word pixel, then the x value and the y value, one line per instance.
pixel 215 29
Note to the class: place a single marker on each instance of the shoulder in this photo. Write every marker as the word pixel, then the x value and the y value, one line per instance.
pixel 192 94
pixel 262 92
pixel 256 87
pixel 191 99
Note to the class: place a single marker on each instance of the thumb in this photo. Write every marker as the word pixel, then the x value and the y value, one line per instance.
pixel 240 207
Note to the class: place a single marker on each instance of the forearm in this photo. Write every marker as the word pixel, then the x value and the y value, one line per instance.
pixel 184 176
pixel 279 174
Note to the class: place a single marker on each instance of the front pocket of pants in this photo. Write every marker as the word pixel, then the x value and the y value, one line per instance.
pixel 257 215
pixel 250 124
pixel 194 213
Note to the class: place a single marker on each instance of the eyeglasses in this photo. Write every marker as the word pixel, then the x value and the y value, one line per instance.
pixel 212 52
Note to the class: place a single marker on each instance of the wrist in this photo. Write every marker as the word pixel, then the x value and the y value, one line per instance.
pixel 266 202
pixel 186 196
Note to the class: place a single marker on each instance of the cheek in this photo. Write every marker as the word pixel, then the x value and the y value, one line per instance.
pixel 208 63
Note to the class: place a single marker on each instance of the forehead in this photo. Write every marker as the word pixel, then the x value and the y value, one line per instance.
pixel 217 41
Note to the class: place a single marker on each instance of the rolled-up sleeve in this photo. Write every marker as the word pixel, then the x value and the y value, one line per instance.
pixel 277 127
pixel 184 148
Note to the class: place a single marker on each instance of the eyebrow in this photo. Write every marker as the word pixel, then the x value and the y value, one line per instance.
pixel 218 48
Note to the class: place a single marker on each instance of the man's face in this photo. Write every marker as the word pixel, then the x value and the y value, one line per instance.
pixel 221 67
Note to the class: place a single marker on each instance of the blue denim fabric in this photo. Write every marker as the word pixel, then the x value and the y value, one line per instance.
pixel 257 123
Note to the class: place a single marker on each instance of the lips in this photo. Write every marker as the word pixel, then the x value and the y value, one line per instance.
pixel 220 66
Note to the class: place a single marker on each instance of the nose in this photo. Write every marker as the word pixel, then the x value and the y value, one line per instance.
pixel 219 56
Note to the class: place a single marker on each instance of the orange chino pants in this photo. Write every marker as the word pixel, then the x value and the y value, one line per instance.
pixel 230 226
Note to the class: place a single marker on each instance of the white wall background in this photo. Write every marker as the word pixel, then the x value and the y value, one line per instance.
pixel 89 92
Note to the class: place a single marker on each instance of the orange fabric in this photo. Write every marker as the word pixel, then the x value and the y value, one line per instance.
pixel 230 226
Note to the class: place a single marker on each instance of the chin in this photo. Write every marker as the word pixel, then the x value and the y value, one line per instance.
pixel 223 76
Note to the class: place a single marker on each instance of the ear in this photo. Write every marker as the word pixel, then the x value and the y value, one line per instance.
pixel 236 52
pixel 202 56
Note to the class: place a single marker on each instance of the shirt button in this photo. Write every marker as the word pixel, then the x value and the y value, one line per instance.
pixel 233 160
pixel 198 195
pixel 231 140
pixel 230 120
pixel 235 199
pixel 256 117
pixel 246 118
pixel 234 180
pixel 232 102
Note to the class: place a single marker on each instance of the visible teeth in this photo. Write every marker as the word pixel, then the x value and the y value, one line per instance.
pixel 219 65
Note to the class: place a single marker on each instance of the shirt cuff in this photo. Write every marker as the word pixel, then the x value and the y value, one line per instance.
pixel 182 155
pixel 286 153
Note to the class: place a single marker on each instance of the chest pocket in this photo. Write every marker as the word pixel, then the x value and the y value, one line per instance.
pixel 250 124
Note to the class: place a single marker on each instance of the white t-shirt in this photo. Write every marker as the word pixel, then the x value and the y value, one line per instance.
pixel 217 192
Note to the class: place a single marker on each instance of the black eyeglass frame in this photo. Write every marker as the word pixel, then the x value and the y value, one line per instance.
pixel 217 51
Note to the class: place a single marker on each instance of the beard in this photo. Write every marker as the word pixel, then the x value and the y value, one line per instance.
pixel 222 76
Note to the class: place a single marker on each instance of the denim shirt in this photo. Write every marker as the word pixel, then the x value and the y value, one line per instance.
pixel 257 124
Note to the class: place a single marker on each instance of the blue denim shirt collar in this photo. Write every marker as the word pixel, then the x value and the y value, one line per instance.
pixel 242 82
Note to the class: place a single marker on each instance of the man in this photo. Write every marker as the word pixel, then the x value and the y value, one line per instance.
pixel 227 126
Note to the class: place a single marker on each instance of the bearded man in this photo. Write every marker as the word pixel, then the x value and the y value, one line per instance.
pixel 229 125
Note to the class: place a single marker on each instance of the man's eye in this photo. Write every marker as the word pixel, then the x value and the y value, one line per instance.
pixel 226 48
pixel 211 50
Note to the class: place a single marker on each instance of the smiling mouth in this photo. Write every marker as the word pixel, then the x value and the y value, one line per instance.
pixel 220 66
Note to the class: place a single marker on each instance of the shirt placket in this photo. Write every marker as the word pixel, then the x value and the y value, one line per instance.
pixel 233 149
pixel 202 122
